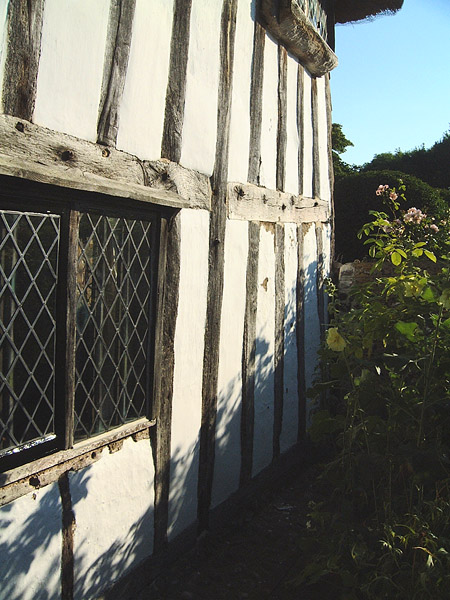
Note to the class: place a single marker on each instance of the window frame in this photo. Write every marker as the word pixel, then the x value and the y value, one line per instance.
pixel 28 196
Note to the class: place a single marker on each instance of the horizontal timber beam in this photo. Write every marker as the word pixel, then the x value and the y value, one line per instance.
pixel 289 25
pixel 31 152
pixel 249 202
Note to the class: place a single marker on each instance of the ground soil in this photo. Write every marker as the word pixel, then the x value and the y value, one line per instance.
pixel 255 556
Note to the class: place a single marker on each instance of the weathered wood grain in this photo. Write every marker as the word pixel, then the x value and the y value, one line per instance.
pixel 216 262
pixel 176 86
pixel 256 90
pixel 286 21
pixel 251 202
pixel 167 308
pixel 22 57
pixel 279 338
pixel 120 29
pixel 249 354
pixel 68 533
pixel 32 152
pixel 46 470
pixel 66 307
pixel 300 329
pixel 315 131
pixel 282 118
pixel 300 127
pixel 195 187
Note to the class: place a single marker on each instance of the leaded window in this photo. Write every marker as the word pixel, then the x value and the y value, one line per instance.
pixel 76 323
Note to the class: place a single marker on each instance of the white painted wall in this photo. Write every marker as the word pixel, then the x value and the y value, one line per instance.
pixel 229 399
pixel 3 35
pixel 240 104
pixel 113 503
pixel 268 177
pixel 312 324
pixel 308 137
pixel 143 102
pixel 71 66
pixel 30 546
pixel 290 402
pixel 265 346
pixel 291 184
pixel 325 193
pixel 187 389
pixel 202 81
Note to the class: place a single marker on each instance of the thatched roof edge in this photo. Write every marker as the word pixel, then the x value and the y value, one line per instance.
pixel 347 11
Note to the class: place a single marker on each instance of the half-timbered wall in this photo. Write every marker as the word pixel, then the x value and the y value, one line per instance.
pixel 198 107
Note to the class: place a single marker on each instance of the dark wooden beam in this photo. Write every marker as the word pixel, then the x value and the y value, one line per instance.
pixel 68 533
pixel 300 329
pixel 330 163
pixel 320 276
pixel 176 86
pixel 216 263
pixel 22 57
pixel 300 126
pixel 249 354
pixel 120 29
pixel 279 337
pixel 282 118
pixel 315 130
pixel 167 309
pixel 256 90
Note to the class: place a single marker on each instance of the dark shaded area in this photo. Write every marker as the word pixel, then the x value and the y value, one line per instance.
pixel 256 555
pixel 354 197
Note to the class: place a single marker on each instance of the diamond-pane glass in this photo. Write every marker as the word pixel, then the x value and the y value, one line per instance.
pixel 113 292
pixel 28 278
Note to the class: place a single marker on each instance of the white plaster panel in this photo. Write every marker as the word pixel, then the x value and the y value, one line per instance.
pixel 143 103
pixel 229 400
pixel 113 504
pixel 3 41
pixel 323 140
pixel 312 324
pixel 265 345
pixel 240 104
pixel 202 83
pixel 308 137
pixel 291 184
pixel 71 66
pixel 290 401
pixel 268 177
pixel 30 546
pixel 188 370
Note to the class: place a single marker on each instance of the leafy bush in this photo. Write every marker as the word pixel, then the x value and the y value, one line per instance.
pixel 353 201
pixel 380 524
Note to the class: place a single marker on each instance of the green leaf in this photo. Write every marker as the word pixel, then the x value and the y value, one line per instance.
pixel 430 255
pixel 396 258
pixel 407 329
pixel 428 295
pixel 417 253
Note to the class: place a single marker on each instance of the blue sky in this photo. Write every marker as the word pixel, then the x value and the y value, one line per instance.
pixel 391 89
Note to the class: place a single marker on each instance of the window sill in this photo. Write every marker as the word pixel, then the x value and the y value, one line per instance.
pixel 43 471
pixel 292 29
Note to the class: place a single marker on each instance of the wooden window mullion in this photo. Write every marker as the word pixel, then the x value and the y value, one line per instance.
pixel 64 413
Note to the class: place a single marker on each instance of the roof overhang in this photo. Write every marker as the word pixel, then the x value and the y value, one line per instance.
pixel 347 11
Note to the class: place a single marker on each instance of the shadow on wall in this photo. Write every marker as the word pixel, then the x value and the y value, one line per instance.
pixel 30 527
pixel 30 545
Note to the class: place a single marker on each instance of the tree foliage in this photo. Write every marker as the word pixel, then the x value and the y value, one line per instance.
pixel 425 172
